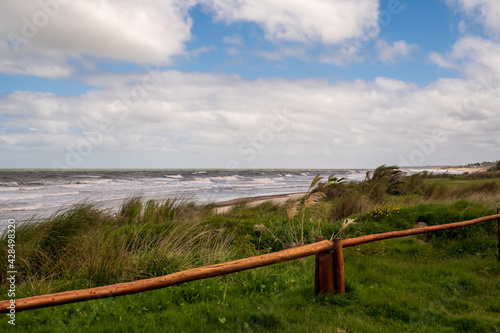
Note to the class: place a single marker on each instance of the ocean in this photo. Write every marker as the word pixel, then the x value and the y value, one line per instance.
pixel 32 195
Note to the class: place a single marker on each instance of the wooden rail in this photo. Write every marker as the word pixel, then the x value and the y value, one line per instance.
pixel 410 232
pixel 329 253
pixel 133 287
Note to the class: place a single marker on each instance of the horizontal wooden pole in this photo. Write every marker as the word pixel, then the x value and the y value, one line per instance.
pixel 411 232
pixel 133 287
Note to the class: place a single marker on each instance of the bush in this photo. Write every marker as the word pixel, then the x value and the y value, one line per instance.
pixel 385 180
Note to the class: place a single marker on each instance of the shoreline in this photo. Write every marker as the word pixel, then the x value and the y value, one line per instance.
pixel 222 207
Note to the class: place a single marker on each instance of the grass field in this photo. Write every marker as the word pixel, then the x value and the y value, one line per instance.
pixel 441 282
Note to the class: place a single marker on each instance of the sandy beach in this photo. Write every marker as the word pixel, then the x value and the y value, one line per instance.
pixel 224 206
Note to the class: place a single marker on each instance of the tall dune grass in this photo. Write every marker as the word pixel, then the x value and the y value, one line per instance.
pixel 86 246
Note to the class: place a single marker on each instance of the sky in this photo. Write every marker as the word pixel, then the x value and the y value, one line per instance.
pixel 248 83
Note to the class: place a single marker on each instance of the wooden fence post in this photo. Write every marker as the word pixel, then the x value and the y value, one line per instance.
pixel 498 227
pixel 323 272
pixel 338 268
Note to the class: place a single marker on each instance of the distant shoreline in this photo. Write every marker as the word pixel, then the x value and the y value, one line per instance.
pixel 224 206
pixel 464 169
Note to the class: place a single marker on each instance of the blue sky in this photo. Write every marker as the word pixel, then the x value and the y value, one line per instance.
pixel 405 24
pixel 248 84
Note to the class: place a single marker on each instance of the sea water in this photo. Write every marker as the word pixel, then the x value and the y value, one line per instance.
pixel 36 194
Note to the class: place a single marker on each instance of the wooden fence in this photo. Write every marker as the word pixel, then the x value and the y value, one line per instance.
pixel 329 269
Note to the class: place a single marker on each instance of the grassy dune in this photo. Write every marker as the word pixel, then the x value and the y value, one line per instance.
pixel 441 282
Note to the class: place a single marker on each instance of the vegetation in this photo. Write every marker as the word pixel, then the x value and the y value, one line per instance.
pixel 440 282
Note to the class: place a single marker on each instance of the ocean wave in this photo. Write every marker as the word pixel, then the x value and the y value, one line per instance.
pixel 72 185
pixel 39 182
pixel 31 188
pixel 86 176
pixel 23 196
pixel 93 181
pixel 9 184
pixel 9 189
pixel 235 177
pixel 22 208
pixel 201 180
pixel 265 181
pixel 161 183
pixel 174 176
pixel 38 207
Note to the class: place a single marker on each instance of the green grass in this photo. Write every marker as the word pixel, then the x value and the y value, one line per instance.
pixel 440 282
pixel 405 285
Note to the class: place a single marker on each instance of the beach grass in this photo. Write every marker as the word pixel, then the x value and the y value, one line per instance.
pixel 440 282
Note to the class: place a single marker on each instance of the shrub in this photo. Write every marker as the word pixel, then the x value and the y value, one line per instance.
pixel 385 180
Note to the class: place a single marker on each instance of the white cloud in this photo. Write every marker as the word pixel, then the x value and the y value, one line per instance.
pixel 139 32
pixel 324 21
pixel 462 27
pixel 481 56
pixel 235 39
pixel 47 64
pixel 232 51
pixel 475 56
pixel 389 53
pixel 486 11
pixel 342 56
pixel 46 36
pixel 211 116
pixel 439 60
pixel 284 52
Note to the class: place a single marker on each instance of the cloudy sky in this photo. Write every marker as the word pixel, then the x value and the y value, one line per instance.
pixel 248 83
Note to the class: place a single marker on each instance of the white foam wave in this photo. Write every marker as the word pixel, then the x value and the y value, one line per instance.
pixel 22 208
pixel 265 181
pixel 9 184
pixel 31 188
pixel 8 189
pixel 201 180
pixel 94 181
pixel 174 176
pixel 23 196
pixel 73 185
pixel 236 177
